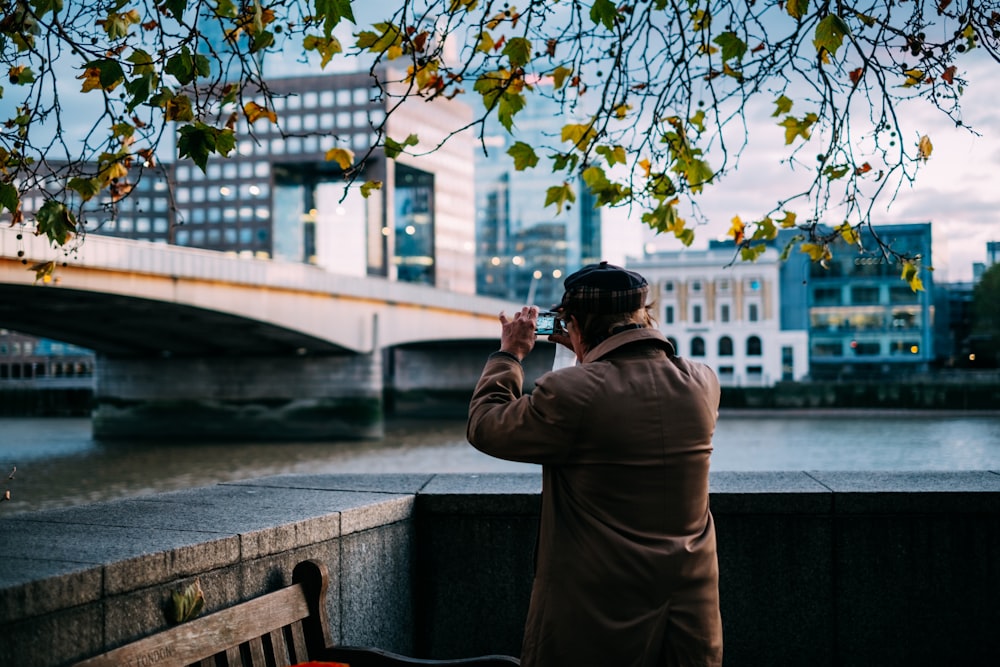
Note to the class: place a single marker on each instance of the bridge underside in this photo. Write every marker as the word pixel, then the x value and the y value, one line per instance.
pixel 121 326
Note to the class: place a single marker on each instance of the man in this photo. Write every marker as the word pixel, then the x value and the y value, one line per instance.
pixel 626 568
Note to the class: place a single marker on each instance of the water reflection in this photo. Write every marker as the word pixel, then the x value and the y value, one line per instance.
pixel 58 464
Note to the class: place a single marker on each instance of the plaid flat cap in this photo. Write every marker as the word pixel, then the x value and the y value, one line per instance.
pixel 604 289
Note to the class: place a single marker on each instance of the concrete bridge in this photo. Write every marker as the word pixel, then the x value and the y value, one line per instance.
pixel 201 344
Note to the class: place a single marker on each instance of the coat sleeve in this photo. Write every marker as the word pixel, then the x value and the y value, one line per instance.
pixel 536 428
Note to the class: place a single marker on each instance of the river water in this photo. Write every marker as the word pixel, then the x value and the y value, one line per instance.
pixel 59 464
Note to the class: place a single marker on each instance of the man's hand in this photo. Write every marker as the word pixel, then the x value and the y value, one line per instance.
pixel 517 335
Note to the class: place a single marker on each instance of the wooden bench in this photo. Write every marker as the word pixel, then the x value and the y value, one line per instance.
pixel 280 629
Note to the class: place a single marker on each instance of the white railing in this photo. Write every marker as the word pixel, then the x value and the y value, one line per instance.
pixel 143 257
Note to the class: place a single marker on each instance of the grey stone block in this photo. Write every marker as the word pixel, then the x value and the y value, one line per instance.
pixel 34 586
pixel 768 492
pixel 504 493
pixel 933 492
pixel 382 483
pixel 377 571
pixel 59 638
pixel 133 556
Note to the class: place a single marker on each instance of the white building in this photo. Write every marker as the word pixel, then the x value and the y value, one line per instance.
pixel 725 313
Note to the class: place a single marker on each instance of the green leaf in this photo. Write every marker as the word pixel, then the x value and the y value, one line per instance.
pixel 140 89
pixel 697 173
pixel 197 141
pixel 733 48
pixel 834 171
pixel 750 253
pixel 8 197
pixel 110 72
pixel 604 12
pixel 524 156
pixel 797 8
pixel 87 188
pixel 559 195
pixel 605 191
pixel 509 105
pixel 174 7
pixel 698 120
pixel 766 230
pixel 332 12
pixel 518 51
pixel 55 221
pixel 830 33
pixel 613 154
pixel 393 148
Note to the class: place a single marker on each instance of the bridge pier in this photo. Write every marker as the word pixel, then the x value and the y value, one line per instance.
pixel 239 398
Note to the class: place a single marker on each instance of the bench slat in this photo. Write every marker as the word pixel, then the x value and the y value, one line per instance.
pixel 203 637
pixel 279 648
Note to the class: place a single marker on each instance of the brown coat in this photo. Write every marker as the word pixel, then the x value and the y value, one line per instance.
pixel 626 572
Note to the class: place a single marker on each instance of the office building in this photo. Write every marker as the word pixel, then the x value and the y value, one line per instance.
pixel 726 314
pixel 864 321
pixel 279 196
pixel 524 249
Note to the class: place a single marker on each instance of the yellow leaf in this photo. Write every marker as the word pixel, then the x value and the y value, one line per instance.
pixel 816 251
pixel 341 156
pixel 788 220
pixel 736 230
pixel 394 52
pixel 848 233
pixel 912 276
pixel 255 112
pixel 91 79
pixel 645 165
pixel 925 147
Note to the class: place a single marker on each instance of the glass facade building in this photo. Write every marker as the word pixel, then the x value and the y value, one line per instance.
pixel 863 319
pixel 525 249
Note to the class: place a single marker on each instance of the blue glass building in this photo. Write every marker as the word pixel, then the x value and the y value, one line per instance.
pixel 863 319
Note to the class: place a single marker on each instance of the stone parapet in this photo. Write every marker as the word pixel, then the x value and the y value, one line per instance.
pixel 816 568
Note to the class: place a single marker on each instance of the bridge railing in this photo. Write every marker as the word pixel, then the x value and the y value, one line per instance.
pixel 143 257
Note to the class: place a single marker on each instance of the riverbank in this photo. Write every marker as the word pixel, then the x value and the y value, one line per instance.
pixel 975 396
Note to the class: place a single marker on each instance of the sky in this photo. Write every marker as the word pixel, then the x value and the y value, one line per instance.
pixel 957 190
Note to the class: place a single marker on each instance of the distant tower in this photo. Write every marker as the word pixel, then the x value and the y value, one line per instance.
pixel 523 247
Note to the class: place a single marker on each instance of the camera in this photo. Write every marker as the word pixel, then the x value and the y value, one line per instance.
pixel 548 323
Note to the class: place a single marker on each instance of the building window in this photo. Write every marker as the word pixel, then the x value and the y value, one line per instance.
pixel 695 285
pixel 668 286
pixel 697 346
pixel 862 295
pixel 753 346
pixel 725 346
pixel 724 312
pixel 668 315
pixel 787 363
pixel 673 343
pixel 827 296
pixel 696 314
pixel 726 371
pixel 752 312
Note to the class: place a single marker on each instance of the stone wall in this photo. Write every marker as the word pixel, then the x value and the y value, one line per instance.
pixel 816 568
